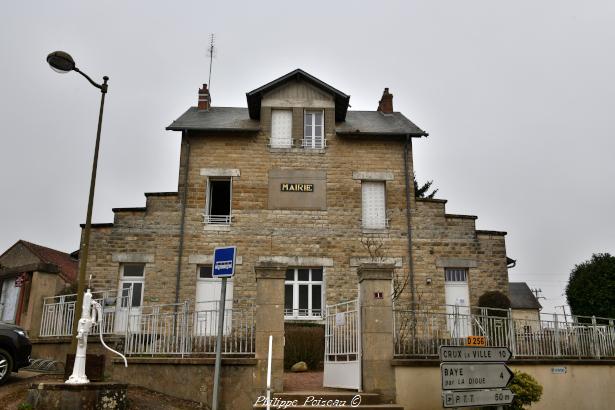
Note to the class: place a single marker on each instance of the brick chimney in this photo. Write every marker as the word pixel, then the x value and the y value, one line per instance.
pixel 385 105
pixel 204 98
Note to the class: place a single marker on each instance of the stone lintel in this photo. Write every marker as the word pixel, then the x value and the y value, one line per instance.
pixel 307 261
pixel 123 257
pixel 375 271
pixel 456 263
pixel 220 172
pixel 373 175
pixel 270 270
pixel 356 261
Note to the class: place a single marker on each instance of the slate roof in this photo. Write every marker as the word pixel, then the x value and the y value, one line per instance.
pixel 237 120
pixel 521 297
pixel 377 123
pixel 216 119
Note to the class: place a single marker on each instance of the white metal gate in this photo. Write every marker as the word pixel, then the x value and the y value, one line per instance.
pixel 343 346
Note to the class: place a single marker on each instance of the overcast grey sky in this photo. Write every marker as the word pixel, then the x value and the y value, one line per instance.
pixel 518 98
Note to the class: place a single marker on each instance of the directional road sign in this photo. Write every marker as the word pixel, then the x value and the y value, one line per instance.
pixel 474 354
pixel 474 398
pixel 224 262
pixel 474 375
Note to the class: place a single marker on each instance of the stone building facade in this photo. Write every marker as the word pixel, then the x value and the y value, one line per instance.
pixel 298 179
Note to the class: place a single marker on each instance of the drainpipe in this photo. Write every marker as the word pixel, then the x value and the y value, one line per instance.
pixel 183 217
pixel 408 215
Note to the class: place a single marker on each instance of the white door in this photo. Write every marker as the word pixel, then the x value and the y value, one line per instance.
pixel 208 291
pixel 130 298
pixel 457 297
pixel 343 346
pixel 8 300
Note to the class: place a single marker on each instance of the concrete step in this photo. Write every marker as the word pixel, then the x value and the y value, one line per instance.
pixel 326 395
pixel 322 400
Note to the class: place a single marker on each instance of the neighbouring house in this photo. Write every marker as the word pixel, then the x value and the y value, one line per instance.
pixel 29 273
pixel 523 302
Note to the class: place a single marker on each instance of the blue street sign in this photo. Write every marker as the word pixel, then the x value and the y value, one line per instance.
pixel 224 262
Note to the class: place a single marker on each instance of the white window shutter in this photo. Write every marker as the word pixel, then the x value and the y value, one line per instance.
pixel 281 128
pixel 374 208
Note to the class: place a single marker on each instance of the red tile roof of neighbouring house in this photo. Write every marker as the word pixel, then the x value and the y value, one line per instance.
pixel 67 265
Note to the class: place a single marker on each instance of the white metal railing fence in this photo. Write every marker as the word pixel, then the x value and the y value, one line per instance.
pixel 342 332
pixel 164 329
pixel 420 332
pixel 217 219
pixel 179 329
pixel 59 312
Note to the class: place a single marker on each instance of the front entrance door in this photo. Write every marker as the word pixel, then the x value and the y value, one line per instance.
pixel 457 297
pixel 8 300
pixel 207 304
pixel 343 346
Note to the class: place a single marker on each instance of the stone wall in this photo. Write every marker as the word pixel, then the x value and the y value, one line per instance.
pixel 584 385
pixel 192 379
pixel 257 231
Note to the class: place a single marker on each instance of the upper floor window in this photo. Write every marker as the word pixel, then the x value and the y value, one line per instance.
pixel 281 128
pixel 374 204
pixel 218 210
pixel 313 125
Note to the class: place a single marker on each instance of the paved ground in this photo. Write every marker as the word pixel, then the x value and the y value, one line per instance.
pixel 306 381
pixel 14 392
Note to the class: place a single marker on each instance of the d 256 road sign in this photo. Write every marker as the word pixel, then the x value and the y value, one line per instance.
pixel 224 262
pixel 474 354
pixel 473 398
pixel 457 376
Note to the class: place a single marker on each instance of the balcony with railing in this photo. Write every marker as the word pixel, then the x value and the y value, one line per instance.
pixel 179 329
pixel 59 312
pixel 420 332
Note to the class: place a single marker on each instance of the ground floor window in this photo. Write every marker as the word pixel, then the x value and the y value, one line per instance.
pixel 303 293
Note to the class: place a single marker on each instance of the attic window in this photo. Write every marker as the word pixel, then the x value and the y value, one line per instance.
pixel 281 128
pixel 313 125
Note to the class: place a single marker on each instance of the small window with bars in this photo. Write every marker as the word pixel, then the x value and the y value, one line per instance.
pixel 455 275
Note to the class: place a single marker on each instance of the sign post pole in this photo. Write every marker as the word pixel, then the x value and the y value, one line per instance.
pixel 219 345
pixel 224 268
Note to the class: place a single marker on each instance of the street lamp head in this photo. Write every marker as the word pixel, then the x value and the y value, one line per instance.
pixel 61 62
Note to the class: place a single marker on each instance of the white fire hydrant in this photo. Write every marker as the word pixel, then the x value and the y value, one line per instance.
pixel 89 318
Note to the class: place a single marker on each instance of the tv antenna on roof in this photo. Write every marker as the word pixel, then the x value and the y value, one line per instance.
pixel 538 293
pixel 211 50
